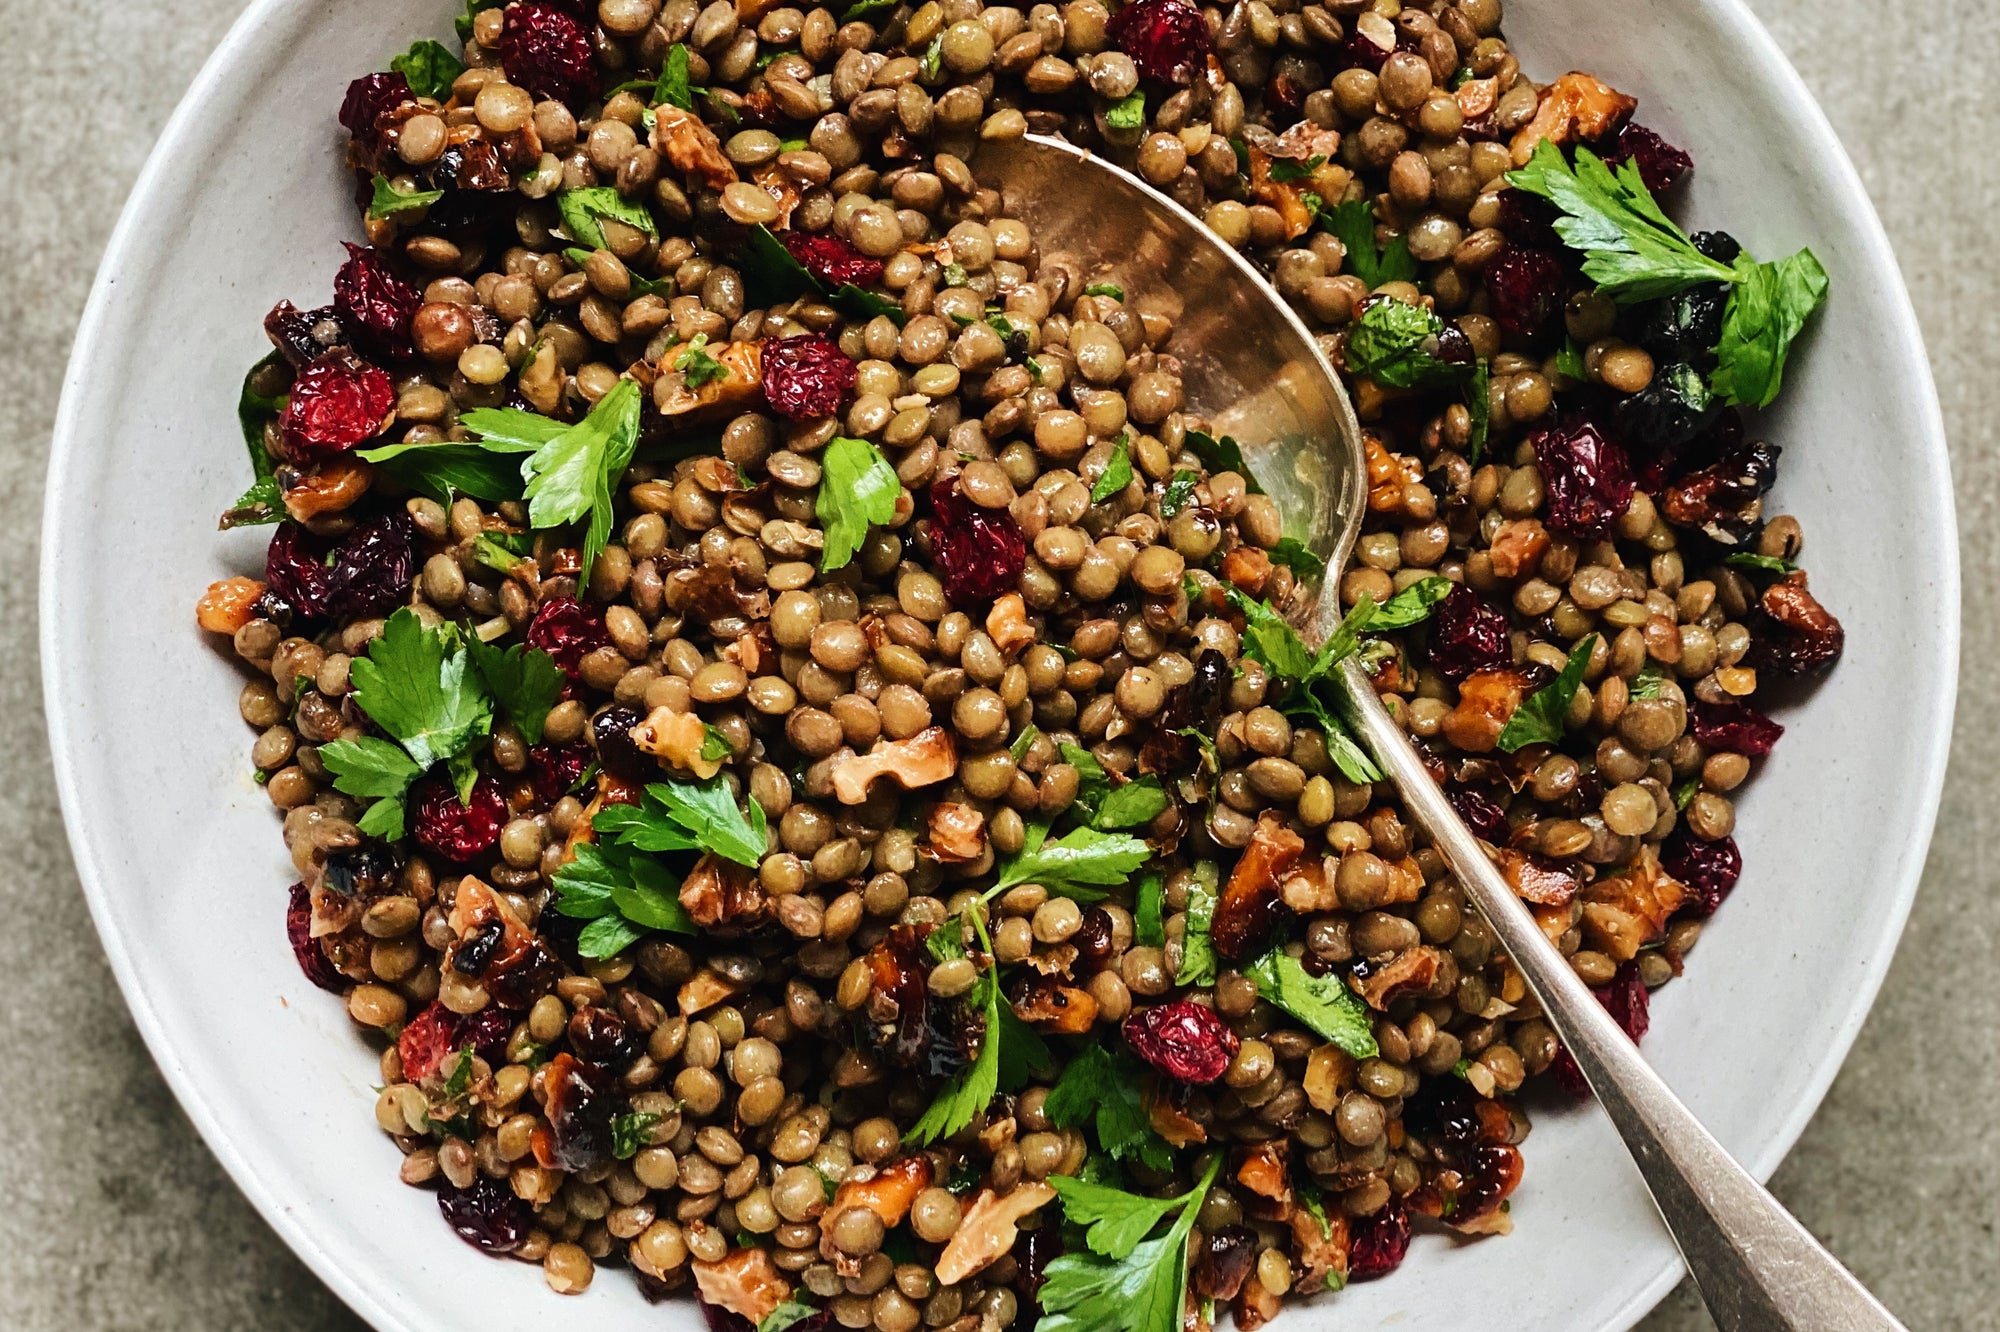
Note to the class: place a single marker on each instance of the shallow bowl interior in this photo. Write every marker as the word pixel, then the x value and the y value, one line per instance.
pixel 244 202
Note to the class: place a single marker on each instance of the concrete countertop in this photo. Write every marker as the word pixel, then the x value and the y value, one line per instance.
pixel 119 1218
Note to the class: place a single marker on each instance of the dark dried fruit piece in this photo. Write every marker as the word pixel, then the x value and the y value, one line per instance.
pixel 556 769
pixel 375 304
pixel 830 258
pixel 1668 414
pixel 313 961
pixel 367 572
pixel 1528 220
pixel 601 1036
pixel 898 968
pixel 580 1109
pixel 1482 813
pixel 568 632
pixel 1586 477
pixel 1736 727
pixel 1167 39
pixel 485 1214
pixel 487 1032
pixel 617 753
pixel 1661 165
pixel 1183 1040
pixel 338 402
pixel 805 377
pixel 980 552
pixel 1468 635
pixel 1626 1000
pixel 457 832
pixel 428 1039
pixel 1725 501
pixel 1251 907
pixel 474 953
pixel 359 871
pixel 1526 289
pixel 1469 1137
pixel 303 335
pixel 1380 1242
pixel 368 99
pixel 545 50
pixel 1708 869
pixel 1799 636
pixel 1193 705
pixel 1224 1262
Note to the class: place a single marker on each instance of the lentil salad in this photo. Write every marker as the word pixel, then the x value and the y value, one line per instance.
pixel 789 729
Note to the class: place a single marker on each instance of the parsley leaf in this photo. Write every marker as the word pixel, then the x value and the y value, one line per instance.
pixel 1353 225
pixel 1570 363
pixel 1284 171
pixel 1646 684
pixel 1111 289
pixel 584 211
pixel 1269 639
pixel 673 85
pixel 641 286
pixel 472 7
pixel 973 1087
pixel 485 469
pixel 1127 113
pixel 1179 493
pixel 1117 472
pixel 1221 455
pixel 1410 606
pixel 572 475
pixel 1479 406
pixel 1323 1003
pixel 264 502
pixel 429 68
pixel 1744 559
pixel 388 200
pixel 685 816
pixel 632 1133
pixel 1764 315
pixel 420 689
pixel 858 489
pixel 1198 957
pixel 1024 741
pixel 1297 556
pixel 1394 343
pixel 1685 793
pixel 1149 912
pixel 1125 1283
pixel 622 893
pixel 786 1315
pixel 369 766
pixel 1542 715
pixel 1100 1088
pixel 1132 805
pixel 697 366
pixel 524 681
pixel 1079 866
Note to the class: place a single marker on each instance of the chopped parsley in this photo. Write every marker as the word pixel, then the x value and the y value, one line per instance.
pixel 389 200
pixel 1111 289
pixel 584 212
pixel 858 489
pixel 264 502
pixel 1125 1282
pixel 1117 472
pixel 1127 113
pixel 1101 1089
pixel 1395 344
pixel 429 68
pixel 1221 455
pixel 622 893
pixel 697 366
pixel 1323 1003
pixel 1179 492
pixel 1353 225
pixel 1542 715
pixel 1079 865
pixel 1198 956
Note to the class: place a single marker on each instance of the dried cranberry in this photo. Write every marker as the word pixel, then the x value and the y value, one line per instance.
pixel 303 335
pixel 601 1036
pixel 1794 635
pixel 1725 501
pixel 1379 1243
pixel 617 754
pixel 580 1108
pixel 1707 869
pixel 458 832
pixel 1528 220
pixel 1470 1137
pixel 1526 289
pixel 1223 1264
pixel 477 186
pixel 367 572
pixel 474 953
pixel 545 50
pixel 1586 477
pixel 374 303
pixel 831 259
pixel 1661 165
pixel 488 1032
pixel 485 1214
pixel 1167 39
pixel 556 769
pixel 1736 727
pixel 368 99
pixel 1093 940
pixel 1626 1000
pixel 319 969
pixel 568 632
pixel 359 871
pixel 1666 416
pixel 1468 634
pixel 428 1039
pixel 1183 1040
pixel 1194 704
pixel 979 551
pixel 806 376
pixel 1481 812
pixel 338 401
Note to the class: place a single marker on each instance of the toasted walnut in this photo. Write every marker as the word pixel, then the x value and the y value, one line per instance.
pixel 228 605
pixel 682 138
pixel 958 832
pixel 1263 1173
pixel 1517 547
pixel 1576 106
pixel 328 488
pixel 1535 880
pixel 743 1281
pixel 1051 1006
pixel 1329 1072
pixel 740 385
pixel 1626 911
pixel 1248 570
pixel 1309 887
pixel 1408 972
pixel 1250 901
pixel 1389 475
pixel 1320 1247
pixel 1477 96
pixel 988 1229
pixel 703 991
pixel 1486 699
pixel 676 738
pixel 888 1194
pixel 1287 197
pixel 722 892
pixel 519 965
pixel 925 758
pixel 1007 624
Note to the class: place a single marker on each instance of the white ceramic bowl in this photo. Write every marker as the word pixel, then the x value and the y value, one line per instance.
pixel 244 202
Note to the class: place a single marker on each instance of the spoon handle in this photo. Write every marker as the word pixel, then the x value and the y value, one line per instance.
pixel 1757 1267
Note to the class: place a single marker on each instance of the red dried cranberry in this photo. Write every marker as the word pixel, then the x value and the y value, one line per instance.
pixel 1707 869
pixel 1725 501
pixel 1626 1000
pixel 1183 1040
pixel 579 1109
pixel 1467 634
pixel 566 631
pixel 617 754
pixel 1794 635
pixel 488 1032
pixel 485 1214
pixel 1586 477
pixel 303 335
pixel 428 1039
pixel 1661 165
pixel 367 572
pixel 806 376
pixel 1528 220
pixel 601 1036
pixel 1380 1242
pixel 458 832
pixel 1167 39
pixel 556 769
pixel 545 50
pixel 319 969
pixel 1481 812
pixel 374 303
pixel 369 98
pixel 979 551
pixel 1469 1137
pixel 1736 727
pixel 1526 289
pixel 338 401
pixel 831 259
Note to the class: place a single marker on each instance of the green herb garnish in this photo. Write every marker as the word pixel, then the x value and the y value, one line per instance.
pixel 1353 225
pixel 1079 865
pixel 1117 472
pixel 264 502
pixel 429 68
pixel 1542 715
pixel 1395 343
pixel 1101 1088
pixel 1323 1003
pixel 1125 1282
pixel 858 489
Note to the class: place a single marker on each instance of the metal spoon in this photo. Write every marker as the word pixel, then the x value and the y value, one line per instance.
pixel 1252 368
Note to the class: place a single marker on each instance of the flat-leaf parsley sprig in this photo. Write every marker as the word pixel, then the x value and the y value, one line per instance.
pixel 1126 1282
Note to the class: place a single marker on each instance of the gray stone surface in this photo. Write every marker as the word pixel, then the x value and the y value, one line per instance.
pixel 118 1218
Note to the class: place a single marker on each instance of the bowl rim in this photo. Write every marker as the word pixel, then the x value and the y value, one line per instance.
pixel 1932 469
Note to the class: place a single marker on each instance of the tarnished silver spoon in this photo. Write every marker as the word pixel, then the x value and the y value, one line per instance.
pixel 1255 372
